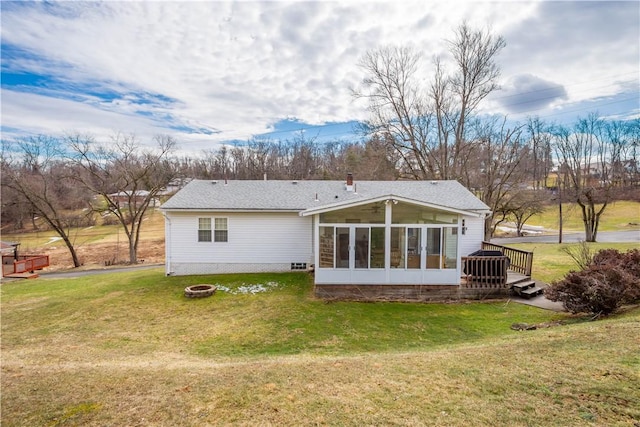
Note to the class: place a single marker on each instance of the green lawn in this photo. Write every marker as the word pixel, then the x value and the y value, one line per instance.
pixel 130 349
pixel 620 215
pixel 147 312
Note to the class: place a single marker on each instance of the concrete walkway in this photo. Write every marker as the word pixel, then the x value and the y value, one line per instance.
pixel 540 301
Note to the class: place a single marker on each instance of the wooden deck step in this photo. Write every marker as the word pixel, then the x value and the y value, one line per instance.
pixel 531 292
pixel 521 286
pixel 526 289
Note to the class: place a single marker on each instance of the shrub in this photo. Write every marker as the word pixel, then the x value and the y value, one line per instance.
pixel 608 281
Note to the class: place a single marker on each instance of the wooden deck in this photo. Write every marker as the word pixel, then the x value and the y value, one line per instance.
pixel 23 266
pixel 512 278
pixel 519 261
pixel 21 276
pixel 496 267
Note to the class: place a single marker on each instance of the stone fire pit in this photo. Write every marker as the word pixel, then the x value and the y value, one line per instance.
pixel 199 291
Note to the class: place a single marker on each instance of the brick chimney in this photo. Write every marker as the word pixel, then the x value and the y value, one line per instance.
pixel 349 186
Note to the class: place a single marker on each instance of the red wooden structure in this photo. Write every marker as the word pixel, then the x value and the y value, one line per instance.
pixel 14 265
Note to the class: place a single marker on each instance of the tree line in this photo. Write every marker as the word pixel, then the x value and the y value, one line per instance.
pixel 415 131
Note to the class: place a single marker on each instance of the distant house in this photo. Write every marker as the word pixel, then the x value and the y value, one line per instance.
pixel 401 238
pixel 9 249
pixel 173 186
pixel 125 198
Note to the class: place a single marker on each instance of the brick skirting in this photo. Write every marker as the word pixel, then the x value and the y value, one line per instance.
pixel 415 293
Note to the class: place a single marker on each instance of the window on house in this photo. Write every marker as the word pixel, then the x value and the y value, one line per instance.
pixel 362 247
pixel 326 247
pixel 434 254
pixel 450 250
pixel 221 233
pixel 377 247
pixel 204 229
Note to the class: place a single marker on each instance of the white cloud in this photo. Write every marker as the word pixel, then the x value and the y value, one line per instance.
pixel 528 93
pixel 236 69
pixel 583 46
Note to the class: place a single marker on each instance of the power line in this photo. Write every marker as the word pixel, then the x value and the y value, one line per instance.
pixel 570 85
pixel 588 108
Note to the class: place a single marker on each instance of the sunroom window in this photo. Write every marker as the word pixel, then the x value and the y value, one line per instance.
pixel 450 247
pixel 404 213
pixel 326 247
pixel 372 213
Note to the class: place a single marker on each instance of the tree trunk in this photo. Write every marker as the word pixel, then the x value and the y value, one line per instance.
pixel 72 250
pixel 488 228
pixel 588 213
pixel 133 253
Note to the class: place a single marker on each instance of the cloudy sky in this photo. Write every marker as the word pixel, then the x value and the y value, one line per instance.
pixel 210 72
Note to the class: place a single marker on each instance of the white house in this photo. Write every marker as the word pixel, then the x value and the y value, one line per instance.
pixel 408 236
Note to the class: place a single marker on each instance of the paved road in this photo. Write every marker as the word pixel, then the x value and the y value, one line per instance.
pixel 80 273
pixel 603 236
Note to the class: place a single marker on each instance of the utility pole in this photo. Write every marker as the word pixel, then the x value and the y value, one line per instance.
pixel 559 209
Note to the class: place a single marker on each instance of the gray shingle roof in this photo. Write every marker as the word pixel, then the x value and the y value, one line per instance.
pixel 301 195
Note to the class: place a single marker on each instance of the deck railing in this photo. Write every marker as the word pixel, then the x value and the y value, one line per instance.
pixel 520 261
pixel 24 263
pixel 485 271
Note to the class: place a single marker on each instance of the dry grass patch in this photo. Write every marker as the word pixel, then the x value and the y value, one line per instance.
pixel 573 375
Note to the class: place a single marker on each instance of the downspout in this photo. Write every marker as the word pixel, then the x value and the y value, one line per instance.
pixel 387 240
pixel 167 245
pixel 315 245
pixel 462 230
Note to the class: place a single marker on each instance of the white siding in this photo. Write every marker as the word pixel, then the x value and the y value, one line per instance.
pixel 256 242
pixel 471 241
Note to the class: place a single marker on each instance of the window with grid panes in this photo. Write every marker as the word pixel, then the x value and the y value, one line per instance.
pixel 221 233
pixel 204 229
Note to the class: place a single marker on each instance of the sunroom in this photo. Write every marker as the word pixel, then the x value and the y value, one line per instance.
pixel 390 240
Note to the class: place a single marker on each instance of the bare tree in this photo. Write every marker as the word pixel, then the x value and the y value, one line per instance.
pixel 15 209
pixel 540 138
pixel 476 74
pixel 398 107
pixel 524 205
pixel 39 178
pixel 497 176
pixel 426 126
pixel 127 177
pixel 584 170
pixel 632 168
pixel 303 162
pixel 617 157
